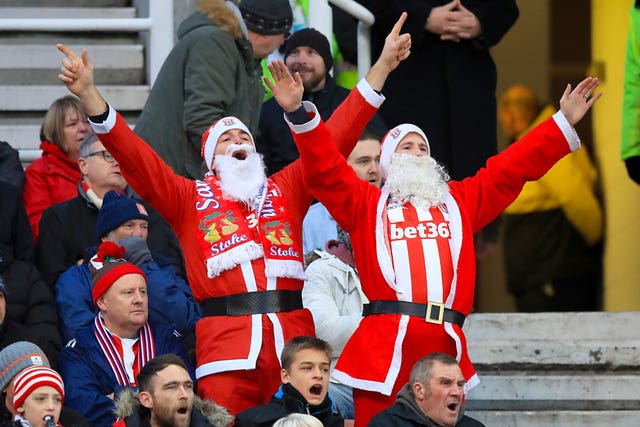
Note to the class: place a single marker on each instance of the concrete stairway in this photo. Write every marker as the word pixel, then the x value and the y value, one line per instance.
pixel 560 369
pixel 28 72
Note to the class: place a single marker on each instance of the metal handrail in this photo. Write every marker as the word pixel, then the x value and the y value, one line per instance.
pixel 365 18
pixel 159 24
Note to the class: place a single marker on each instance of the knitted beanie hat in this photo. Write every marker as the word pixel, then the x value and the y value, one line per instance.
pixel 267 17
pixel 18 356
pixel 392 139
pixel 107 266
pixel 312 38
pixel 31 378
pixel 118 208
pixel 215 131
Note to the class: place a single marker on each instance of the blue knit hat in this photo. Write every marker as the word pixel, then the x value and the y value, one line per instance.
pixel 117 208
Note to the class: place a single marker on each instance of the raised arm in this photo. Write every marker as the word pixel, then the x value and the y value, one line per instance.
pixel 152 178
pixel 497 185
pixel 288 90
pixel 397 48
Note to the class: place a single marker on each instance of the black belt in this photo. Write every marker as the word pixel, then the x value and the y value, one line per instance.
pixel 252 303
pixel 431 312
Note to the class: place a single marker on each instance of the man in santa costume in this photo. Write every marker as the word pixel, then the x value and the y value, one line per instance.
pixel 413 239
pixel 239 231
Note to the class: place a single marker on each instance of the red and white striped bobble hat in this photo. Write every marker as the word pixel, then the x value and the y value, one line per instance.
pixel 31 378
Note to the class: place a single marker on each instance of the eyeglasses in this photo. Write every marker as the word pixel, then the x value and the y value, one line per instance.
pixel 105 155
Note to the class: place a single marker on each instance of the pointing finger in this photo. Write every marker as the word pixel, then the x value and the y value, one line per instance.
pixel 398 25
pixel 62 48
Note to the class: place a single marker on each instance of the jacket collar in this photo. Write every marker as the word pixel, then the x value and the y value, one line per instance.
pixel 128 407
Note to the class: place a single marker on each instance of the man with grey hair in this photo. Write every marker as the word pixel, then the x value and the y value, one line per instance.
pixel 14 359
pixel 67 229
pixel 433 397
pixel 125 222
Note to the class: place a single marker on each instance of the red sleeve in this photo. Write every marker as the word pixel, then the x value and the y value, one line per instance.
pixel 36 194
pixel 486 194
pixel 331 179
pixel 148 174
pixel 345 125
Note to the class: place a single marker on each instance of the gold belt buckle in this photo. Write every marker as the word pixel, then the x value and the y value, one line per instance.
pixel 435 313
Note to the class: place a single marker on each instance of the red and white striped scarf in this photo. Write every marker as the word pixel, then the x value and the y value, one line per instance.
pixel 146 350
pixel 393 264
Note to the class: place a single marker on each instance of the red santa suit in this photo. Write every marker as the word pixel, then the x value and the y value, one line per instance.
pixel 416 256
pixel 237 355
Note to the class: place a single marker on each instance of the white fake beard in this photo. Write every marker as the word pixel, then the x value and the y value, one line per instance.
pixel 240 179
pixel 420 181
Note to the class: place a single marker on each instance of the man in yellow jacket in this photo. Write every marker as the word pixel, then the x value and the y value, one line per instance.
pixel 553 230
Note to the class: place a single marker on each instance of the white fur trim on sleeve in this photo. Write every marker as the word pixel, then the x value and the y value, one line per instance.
pixel 311 124
pixel 568 131
pixel 374 98
pixel 107 125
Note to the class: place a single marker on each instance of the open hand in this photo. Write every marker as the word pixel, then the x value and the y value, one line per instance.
pixel 575 103
pixel 287 89
pixel 76 72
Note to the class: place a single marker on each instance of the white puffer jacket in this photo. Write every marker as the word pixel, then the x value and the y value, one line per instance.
pixel 333 294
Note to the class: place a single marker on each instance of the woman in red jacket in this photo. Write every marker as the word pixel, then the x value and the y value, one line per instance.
pixel 54 177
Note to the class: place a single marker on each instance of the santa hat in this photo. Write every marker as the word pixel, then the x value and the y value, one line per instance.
pixel 31 378
pixel 392 139
pixel 118 208
pixel 107 266
pixel 215 131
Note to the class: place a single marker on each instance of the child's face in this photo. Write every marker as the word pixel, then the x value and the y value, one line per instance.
pixel 41 402
pixel 309 374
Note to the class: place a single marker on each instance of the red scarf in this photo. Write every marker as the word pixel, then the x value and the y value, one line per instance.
pixel 230 232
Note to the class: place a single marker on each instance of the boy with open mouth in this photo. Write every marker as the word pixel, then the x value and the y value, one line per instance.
pixel 305 386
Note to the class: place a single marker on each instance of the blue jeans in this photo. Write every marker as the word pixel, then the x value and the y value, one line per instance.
pixel 342 397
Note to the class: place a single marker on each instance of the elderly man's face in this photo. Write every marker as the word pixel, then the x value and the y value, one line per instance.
pixel 132 227
pixel 124 306
pixel 441 396
pixel 102 175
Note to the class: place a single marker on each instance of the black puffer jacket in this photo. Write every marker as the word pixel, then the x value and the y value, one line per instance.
pixel 15 231
pixel 287 401
pixel 11 170
pixel 30 304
